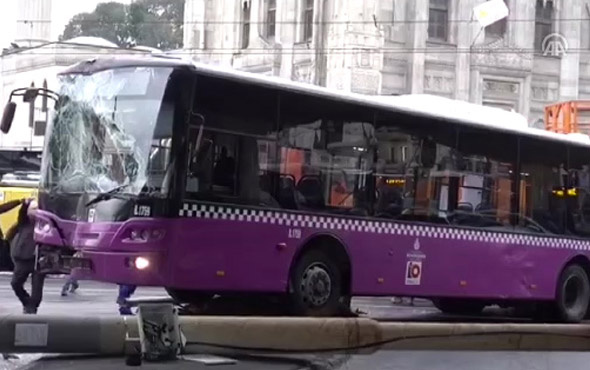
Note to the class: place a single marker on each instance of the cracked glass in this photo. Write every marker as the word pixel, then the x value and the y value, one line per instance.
pixel 107 130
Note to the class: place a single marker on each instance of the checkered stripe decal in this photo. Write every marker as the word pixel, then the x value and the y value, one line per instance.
pixel 377 227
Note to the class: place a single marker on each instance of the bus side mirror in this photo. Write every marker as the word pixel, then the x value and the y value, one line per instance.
pixel 7 117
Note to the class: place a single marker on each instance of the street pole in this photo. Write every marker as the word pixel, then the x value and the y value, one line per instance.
pixel 222 335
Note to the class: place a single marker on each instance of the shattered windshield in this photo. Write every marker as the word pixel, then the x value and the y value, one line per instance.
pixel 107 130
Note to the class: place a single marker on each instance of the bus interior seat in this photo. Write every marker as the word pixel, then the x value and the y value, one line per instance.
pixel 265 182
pixel 310 187
pixel 465 207
pixel 266 191
pixel 287 192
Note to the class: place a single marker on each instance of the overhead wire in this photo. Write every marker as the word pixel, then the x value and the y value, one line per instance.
pixel 304 49
pixel 352 50
pixel 291 22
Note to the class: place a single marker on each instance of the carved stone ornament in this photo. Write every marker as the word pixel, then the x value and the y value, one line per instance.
pixel 501 52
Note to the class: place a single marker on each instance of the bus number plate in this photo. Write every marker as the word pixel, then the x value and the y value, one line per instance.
pixel 294 233
pixel 142 211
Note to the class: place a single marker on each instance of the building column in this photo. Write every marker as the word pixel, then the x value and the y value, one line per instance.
pixel 522 34
pixel 464 41
pixel 417 36
pixel 257 18
pixel 570 61
pixel 287 11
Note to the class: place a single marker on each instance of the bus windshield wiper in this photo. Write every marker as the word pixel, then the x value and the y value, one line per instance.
pixel 108 195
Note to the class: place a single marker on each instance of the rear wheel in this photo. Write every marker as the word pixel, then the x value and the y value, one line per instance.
pixel 573 294
pixel 189 296
pixel 459 306
pixel 316 287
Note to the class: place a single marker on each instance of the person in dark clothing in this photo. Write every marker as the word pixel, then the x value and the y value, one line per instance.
pixel 70 285
pixel 22 251
pixel 125 292
pixel 223 173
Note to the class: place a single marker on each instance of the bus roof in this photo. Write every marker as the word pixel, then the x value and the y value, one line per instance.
pixel 423 105
pixel 427 106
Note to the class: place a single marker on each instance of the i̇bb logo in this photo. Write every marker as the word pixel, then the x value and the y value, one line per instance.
pixel 413 272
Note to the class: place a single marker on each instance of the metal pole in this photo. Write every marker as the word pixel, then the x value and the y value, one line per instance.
pixel 34 334
pixel 109 335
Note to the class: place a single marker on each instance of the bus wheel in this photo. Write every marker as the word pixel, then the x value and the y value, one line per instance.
pixel 316 286
pixel 459 306
pixel 189 296
pixel 573 294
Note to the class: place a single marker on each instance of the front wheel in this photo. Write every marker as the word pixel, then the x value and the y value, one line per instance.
pixel 573 294
pixel 316 287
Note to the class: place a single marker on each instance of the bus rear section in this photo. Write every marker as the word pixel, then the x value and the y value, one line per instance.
pixel 276 188
pixel 345 198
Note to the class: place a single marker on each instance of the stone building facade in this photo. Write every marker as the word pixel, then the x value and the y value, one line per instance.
pixel 404 46
pixel 34 59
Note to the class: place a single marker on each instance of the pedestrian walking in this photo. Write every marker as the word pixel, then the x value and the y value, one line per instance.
pixel 22 251
pixel 125 292
pixel 71 285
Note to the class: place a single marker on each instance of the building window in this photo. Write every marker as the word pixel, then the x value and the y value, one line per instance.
pixel 39 129
pixel 271 18
pixel 245 24
pixel 388 18
pixel 308 20
pixel 543 22
pixel 497 29
pixel 438 20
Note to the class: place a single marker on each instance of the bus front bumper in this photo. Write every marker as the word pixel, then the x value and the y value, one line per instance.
pixel 132 268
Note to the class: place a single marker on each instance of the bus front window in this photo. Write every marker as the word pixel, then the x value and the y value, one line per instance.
pixel 110 130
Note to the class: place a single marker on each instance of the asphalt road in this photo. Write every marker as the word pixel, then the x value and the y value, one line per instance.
pixel 99 299
pixel 94 298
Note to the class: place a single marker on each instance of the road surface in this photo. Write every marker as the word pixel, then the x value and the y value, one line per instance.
pixel 94 298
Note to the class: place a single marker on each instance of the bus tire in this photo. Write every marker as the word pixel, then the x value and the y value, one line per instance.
pixel 315 286
pixel 456 306
pixel 573 294
pixel 189 296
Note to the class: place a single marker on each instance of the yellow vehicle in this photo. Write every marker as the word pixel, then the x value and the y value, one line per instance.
pixel 16 185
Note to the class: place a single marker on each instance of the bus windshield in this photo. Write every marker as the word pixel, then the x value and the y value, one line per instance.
pixel 107 129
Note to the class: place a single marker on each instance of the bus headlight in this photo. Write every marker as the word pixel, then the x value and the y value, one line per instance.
pixel 141 263
pixel 144 235
pixel 43 226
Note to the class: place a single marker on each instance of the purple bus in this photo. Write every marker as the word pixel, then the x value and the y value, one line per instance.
pixel 205 181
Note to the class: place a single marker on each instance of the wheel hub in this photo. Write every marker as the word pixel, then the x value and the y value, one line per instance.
pixel 316 285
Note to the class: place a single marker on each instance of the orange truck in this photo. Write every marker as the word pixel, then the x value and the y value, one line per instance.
pixel 568 117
